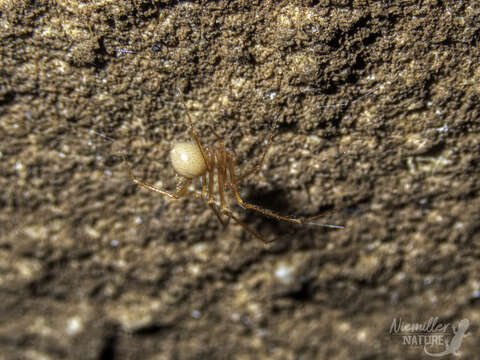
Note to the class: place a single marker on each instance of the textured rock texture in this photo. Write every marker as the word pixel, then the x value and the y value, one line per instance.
pixel 378 119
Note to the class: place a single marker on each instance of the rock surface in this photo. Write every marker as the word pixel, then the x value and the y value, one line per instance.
pixel 378 119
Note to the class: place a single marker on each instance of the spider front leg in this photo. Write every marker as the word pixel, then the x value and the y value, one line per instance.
pixel 258 167
pixel 194 132
pixel 179 193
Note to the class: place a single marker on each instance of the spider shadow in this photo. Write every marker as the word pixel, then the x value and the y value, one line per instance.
pixel 277 201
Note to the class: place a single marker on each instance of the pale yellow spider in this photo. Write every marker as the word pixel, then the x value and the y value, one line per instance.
pixel 214 164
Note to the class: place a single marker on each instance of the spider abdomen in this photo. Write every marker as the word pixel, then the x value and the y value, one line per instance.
pixel 187 160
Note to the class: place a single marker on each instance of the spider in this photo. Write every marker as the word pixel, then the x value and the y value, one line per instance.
pixel 212 164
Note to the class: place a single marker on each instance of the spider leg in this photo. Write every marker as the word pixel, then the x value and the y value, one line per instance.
pixel 265 211
pixel 245 226
pixel 215 133
pixel 217 213
pixel 211 184
pixel 204 185
pixel 222 179
pixel 194 132
pixel 258 167
pixel 179 193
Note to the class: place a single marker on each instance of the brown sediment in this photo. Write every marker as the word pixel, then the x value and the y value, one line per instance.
pixel 94 267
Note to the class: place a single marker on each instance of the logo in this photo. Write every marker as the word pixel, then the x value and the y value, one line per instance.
pixel 436 338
